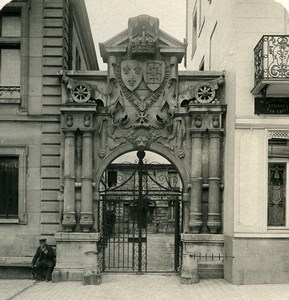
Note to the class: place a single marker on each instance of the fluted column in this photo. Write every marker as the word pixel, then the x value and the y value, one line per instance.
pixel 196 217
pixel 69 181
pixel 214 216
pixel 86 220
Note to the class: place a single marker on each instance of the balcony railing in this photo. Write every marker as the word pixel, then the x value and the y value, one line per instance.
pixel 9 94
pixel 272 58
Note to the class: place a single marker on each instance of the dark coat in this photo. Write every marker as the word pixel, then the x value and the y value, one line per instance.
pixel 41 256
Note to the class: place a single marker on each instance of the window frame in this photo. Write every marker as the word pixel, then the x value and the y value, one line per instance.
pixel 22 153
pixel 281 161
pixel 278 134
pixel 22 42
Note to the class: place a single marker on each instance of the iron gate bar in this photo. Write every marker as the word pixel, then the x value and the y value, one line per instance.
pixel 140 155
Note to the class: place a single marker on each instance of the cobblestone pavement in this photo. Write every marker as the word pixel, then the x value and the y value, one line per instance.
pixel 143 287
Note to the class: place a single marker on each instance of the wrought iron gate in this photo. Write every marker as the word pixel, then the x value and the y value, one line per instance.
pixel 137 203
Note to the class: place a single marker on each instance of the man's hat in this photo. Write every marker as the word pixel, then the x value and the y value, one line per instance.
pixel 42 240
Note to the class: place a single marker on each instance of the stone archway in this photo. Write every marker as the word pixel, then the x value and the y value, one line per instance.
pixel 182 169
pixel 140 222
pixel 146 105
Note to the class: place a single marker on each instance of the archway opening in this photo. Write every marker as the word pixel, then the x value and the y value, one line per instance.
pixel 140 214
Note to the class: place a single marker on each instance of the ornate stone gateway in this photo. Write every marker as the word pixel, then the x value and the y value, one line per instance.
pixel 141 103
pixel 140 218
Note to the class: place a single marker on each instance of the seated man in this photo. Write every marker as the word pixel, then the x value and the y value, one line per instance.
pixel 43 261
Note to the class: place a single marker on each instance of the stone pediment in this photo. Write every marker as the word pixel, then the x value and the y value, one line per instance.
pixel 142 37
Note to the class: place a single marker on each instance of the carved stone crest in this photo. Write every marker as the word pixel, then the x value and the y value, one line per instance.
pixel 131 73
pixel 154 73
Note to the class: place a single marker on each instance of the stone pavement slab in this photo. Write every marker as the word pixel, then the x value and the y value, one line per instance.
pixel 141 287
pixel 10 288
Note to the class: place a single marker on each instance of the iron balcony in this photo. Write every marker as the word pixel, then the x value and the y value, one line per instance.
pixel 272 66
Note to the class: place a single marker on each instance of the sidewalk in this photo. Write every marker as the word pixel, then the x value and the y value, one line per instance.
pixel 143 287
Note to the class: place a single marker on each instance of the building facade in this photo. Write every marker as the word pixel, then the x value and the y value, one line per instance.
pixel 38 39
pixel 222 129
pixel 249 41
pixel 65 123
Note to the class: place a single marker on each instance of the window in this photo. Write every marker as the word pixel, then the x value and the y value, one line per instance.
pixel 10 49
pixel 111 178
pixel 77 61
pixel 278 164
pixel 277 178
pixel 13 184
pixel 9 167
pixel 11 24
pixel 212 46
pixel 202 64
pixel 14 54
pixel 194 34
pixel 10 67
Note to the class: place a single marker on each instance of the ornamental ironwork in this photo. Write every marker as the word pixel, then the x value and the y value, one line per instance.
pixel 272 58
pixel 278 134
pixel 137 201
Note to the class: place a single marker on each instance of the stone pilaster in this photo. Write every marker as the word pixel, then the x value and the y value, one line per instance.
pixel 86 220
pixel 196 217
pixel 69 181
pixel 214 216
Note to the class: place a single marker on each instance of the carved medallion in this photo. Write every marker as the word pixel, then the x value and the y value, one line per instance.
pixel 80 92
pixel 87 120
pixel 69 120
pixel 131 73
pixel 205 93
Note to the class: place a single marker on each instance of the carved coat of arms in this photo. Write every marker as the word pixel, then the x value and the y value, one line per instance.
pixel 132 72
pixel 154 73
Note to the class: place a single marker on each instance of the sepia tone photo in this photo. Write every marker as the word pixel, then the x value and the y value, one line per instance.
pixel 144 148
